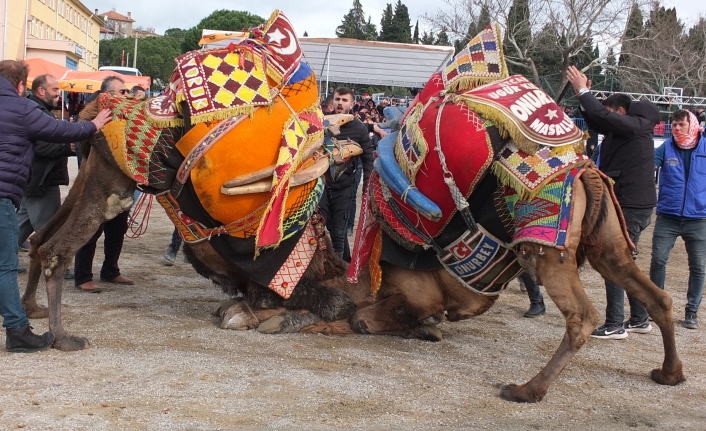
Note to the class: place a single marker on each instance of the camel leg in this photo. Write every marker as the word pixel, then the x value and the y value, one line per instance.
pixel 561 281
pixel 29 298
pixel 613 261
pixel 108 194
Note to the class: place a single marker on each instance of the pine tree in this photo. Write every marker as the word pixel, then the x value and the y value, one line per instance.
pixel 470 33
pixel 305 34
pixel 386 30
pixel 633 28
pixel 415 36
pixel 370 30
pixel 442 39
pixel 402 28
pixel 427 39
pixel 353 23
pixel 518 23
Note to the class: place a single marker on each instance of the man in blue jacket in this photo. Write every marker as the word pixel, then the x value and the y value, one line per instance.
pixel 681 207
pixel 21 124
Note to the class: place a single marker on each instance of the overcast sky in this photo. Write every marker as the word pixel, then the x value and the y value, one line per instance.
pixel 319 18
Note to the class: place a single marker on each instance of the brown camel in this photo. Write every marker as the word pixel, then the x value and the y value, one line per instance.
pixel 410 303
pixel 100 193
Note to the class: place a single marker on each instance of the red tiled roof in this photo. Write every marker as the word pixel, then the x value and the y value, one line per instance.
pixel 115 16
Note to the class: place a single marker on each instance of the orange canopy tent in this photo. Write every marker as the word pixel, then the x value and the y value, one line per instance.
pixel 89 82
pixel 39 66
pixel 81 82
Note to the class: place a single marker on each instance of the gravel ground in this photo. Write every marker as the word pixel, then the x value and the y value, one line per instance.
pixel 158 361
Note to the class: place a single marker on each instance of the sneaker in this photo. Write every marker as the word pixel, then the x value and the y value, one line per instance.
pixel 690 320
pixel 169 257
pixel 23 340
pixel 610 333
pixel 25 247
pixel 69 275
pixel 350 231
pixel 638 327
pixel 523 288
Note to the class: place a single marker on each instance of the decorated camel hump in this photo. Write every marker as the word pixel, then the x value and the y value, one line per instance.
pixel 236 147
pixel 471 120
pixel 253 139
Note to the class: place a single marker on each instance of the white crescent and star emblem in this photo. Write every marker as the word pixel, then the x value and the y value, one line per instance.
pixel 461 251
pixel 276 36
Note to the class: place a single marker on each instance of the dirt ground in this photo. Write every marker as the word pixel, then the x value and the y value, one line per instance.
pixel 158 361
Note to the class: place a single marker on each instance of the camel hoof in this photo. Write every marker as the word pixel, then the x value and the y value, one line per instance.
pixel 36 311
pixel 670 379
pixel 359 326
pixel 288 323
pixel 70 344
pixel 223 306
pixel 428 333
pixel 519 394
pixel 238 317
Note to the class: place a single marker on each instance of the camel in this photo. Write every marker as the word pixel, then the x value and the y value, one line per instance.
pixel 409 302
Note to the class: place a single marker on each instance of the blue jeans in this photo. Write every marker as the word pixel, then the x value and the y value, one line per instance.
pixel 637 220
pixel 693 232
pixel 10 304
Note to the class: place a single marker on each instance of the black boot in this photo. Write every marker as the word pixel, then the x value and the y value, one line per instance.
pixel 536 309
pixel 170 256
pixel 22 339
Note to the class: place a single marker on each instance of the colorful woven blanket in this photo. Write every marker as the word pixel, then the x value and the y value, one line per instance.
pixel 527 173
pixel 480 62
pixel 224 82
pixel 546 217
pixel 135 145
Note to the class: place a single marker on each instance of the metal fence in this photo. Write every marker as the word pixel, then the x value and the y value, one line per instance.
pixel 662 130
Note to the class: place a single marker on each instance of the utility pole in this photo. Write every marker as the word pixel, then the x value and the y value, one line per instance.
pixel 134 57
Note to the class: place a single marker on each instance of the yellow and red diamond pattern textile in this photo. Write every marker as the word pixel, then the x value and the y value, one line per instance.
pixel 231 85
pixel 221 83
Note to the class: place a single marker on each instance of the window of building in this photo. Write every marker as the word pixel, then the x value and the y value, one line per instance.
pixel 51 4
pixel 41 30
pixel 71 64
pixel 60 7
pixel 59 36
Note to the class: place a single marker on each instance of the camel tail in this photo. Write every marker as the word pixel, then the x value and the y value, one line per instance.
pixel 597 204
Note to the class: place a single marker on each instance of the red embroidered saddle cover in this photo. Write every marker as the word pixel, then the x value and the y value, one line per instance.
pixel 466 147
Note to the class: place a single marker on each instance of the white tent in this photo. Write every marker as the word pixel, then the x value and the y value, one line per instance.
pixel 374 63
pixel 365 62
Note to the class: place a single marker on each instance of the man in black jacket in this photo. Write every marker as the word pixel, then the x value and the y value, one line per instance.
pixel 340 180
pixel 627 157
pixel 42 197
